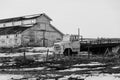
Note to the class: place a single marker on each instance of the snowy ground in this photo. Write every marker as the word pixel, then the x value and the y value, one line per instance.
pixel 31 51
pixel 85 77
pixel 36 53
pixel 79 65
pixel 9 76
pixel 90 64
pixel 95 75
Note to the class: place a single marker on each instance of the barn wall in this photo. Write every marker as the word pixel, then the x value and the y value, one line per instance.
pixel 28 37
pixel 12 40
pixel 34 35
pixel 43 19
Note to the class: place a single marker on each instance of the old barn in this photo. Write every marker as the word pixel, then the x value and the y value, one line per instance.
pixel 30 30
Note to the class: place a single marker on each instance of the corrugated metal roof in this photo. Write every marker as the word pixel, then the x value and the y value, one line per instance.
pixel 12 30
pixel 27 17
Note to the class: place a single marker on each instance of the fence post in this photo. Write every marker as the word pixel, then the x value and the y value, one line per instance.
pixel 88 52
pixel 106 51
pixel 47 55
pixel 53 55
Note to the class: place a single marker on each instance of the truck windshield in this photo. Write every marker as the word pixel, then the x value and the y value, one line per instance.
pixel 57 47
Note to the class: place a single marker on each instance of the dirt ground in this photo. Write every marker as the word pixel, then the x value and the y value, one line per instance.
pixel 68 67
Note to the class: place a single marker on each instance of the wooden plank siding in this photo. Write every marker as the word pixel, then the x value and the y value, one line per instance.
pixel 34 35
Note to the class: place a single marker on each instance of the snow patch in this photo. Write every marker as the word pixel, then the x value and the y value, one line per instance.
pixel 91 77
pixel 24 69
pixel 102 77
pixel 26 53
pixel 73 76
pixel 41 49
pixel 30 52
pixel 9 76
pixel 73 69
pixel 90 64
pixel 98 68
pixel 53 75
pixel 115 67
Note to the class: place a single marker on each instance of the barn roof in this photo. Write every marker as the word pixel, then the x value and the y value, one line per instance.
pixel 12 30
pixel 27 17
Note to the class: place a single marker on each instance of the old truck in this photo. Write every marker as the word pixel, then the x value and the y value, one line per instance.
pixel 70 45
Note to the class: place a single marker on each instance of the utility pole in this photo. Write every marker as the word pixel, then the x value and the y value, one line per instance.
pixel 78 33
pixel 79 38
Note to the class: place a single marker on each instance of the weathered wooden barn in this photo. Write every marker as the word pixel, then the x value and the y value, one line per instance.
pixel 31 30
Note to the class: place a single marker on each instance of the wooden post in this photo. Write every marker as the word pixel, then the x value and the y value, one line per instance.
pixel 69 54
pixel 106 51
pixel 60 55
pixel 88 52
pixel 53 55
pixel 24 55
pixel 47 55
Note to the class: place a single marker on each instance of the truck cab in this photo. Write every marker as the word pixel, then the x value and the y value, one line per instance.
pixel 70 45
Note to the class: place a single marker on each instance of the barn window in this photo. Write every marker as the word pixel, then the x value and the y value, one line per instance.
pixel 17 23
pixel 33 21
pixel 8 24
pixel 27 21
pixel 1 25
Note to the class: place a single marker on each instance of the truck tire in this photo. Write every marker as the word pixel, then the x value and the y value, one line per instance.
pixel 67 52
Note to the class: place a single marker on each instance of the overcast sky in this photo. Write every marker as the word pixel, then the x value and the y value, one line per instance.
pixel 95 18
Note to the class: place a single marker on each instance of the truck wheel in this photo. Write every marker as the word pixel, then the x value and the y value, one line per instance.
pixel 67 52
